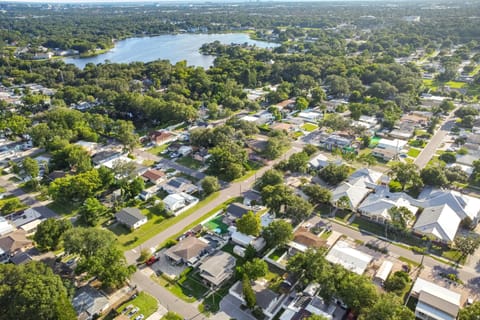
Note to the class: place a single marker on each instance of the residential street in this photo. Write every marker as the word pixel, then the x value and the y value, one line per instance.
pixel 466 274
pixel 233 190
pixel 429 151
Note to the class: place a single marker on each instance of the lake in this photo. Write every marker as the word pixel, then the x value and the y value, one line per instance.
pixel 175 48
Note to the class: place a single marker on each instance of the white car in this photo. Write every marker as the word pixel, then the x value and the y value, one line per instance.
pixel 140 317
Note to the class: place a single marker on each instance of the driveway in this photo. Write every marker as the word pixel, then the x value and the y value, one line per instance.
pixel 429 151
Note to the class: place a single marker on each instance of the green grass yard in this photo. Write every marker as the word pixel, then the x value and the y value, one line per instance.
pixel 145 302
pixel 64 209
pixel 412 152
pixel 158 149
pixel 190 162
pixel 154 225
pixel 309 127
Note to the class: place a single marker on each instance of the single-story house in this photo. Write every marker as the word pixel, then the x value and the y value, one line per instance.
pixel 154 176
pixel 27 216
pixel 88 146
pixel 178 185
pixel 376 205
pixel 174 202
pixel 310 116
pixel 320 161
pixel 335 141
pixel 251 198
pixel 435 302
pixel 161 137
pixel 236 210
pixel 304 239
pixel 89 303
pixel 5 226
pixel 351 259
pixel 184 150
pixel 217 268
pixel 266 298
pixel 187 251
pixel 105 156
pixel 383 272
pixel 304 306
pixel 14 243
pixel 20 258
pixel 439 221
pixel 131 218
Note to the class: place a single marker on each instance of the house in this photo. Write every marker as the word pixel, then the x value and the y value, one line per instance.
pixel 5 227
pixel 217 268
pixel 201 155
pixel 154 176
pixel 31 226
pixel 310 116
pixel 304 239
pixel 266 299
pixel 174 202
pixel 25 217
pixel 440 222
pixel 89 303
pixel 13 243
pixel 20 258
pixel 131 218
pixel 435 302
pixel 305 305
pixel 356 187
pixel 187 251
pixel 179 185
pixel 236 210
pixel 184 150
pixel 335 141
pixel 376 205
pixel 162 137
pixel 320 161
pixel 349 258
pixel 105 156
pixel 388 149
pixel 383 272
pixel 252 198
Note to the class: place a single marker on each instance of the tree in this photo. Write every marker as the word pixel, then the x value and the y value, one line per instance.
pixel 248 293
pixel 277 144
pixel 467 245
pixel 357 292
pixel 270 178
pixel 10 205
pixel 255 268
pixel 316 317
pixel 397 282
pixel 309 149
pixel 276 196
pixel 124 131
pixel 170 315
pixel 99 255
pixel 132 189
pixel 334 174
pixel 76 188
pixel 406 174
pixel 387 307
pixel 49 233
pixel 32 291
pixel 434 176
pixel 31 167
pixel 448 157
pixel 91 211
pixel 317 194
pixel 470 312
pixel 227 161
pixel 277 233
pixel 249 224
pixel 298 162
pixel 298 209
pixel 210 184
pixel 400 217
pixel 301 103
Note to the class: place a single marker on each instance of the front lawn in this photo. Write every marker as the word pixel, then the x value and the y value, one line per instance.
pixel 157 150
pixel 154 225
pixel 309 127
pixel 412 152
pixel 189 287
pixel 145 302
pixel 189 162
pixel 66 209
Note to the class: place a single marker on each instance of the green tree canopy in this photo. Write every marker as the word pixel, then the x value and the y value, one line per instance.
pixel 278 233
pixel 210 184
pixel 249 224
pixel 49 233
pixel 32 291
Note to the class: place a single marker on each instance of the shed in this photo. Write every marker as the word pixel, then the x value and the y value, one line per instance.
pixel 384 271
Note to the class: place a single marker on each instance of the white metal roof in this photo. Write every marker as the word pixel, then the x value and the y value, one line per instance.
pixel 440 221
pixel 342 253
pixel 436 290
pixel 384 270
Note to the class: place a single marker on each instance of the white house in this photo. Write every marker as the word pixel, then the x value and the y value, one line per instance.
pixel 435 302
pixel 174 202
pixel 356 187
pixel 439 221
pixel 266 298
pixel 184 150
pixel 351 259
pixel 5 227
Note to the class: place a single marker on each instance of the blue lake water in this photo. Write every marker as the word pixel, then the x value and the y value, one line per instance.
pixel 175 48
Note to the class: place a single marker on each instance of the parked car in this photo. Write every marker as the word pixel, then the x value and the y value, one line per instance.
pixel 140 317
pixel 151 260
pixel 133 311
pixel 127 308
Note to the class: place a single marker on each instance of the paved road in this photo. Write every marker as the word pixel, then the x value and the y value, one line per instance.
pixel 467 274
pixel 429 151
pixel 27 199
pixel 232 190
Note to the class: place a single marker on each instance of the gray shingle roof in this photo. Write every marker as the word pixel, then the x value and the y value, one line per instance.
pixel 129 216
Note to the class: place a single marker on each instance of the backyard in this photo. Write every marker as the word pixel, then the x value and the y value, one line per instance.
pixel 189 162
pixel 412 152
pixel 309 127
pixel 189 287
